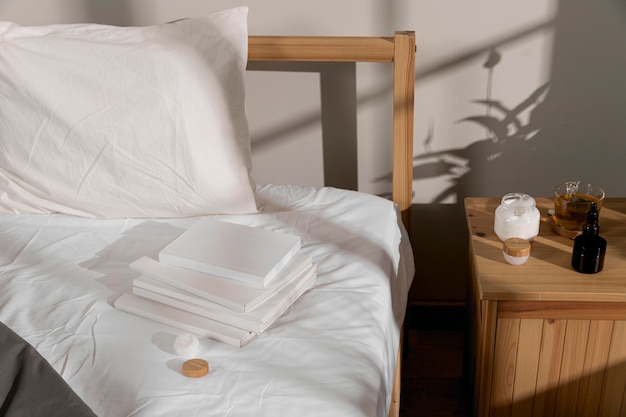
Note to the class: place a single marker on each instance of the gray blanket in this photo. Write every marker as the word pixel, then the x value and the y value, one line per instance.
pixel 29 386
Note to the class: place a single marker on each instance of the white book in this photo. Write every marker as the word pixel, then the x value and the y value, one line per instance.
pixel 256 321
pixel 243 253
pixel 183 320
pixel 232 294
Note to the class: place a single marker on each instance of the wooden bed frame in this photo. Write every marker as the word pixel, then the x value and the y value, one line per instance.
pixel 399 51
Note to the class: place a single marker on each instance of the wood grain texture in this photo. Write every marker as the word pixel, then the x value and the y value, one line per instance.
pixel 560 336
pixel 547 275
pixel 486 351
pixel 549 369
pixel 403 119
pixel 505 361
pixel 576 334
pixel 527 366
pixel 615 375
pixel 321 48
pixel 562 310
pixel 596 356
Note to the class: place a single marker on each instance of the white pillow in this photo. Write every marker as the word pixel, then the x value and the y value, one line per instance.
pixel 117 122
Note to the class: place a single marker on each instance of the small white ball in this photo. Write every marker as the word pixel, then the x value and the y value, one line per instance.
pixel 186 345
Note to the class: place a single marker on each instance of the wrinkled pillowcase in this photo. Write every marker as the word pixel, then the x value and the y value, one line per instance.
pixel 118 122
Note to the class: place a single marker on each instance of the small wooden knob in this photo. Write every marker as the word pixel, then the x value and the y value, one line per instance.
pixel 195 368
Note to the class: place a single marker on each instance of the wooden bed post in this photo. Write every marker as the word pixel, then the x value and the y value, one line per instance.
pixel 402 169
pixel 403 111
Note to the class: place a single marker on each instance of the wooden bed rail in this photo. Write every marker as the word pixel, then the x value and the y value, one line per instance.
pixel 320 48
pixel 398 50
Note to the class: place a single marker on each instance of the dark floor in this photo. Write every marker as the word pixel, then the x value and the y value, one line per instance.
pixel 432 374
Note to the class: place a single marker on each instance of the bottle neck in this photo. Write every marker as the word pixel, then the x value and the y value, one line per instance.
pixel 591 229
pixel 591 226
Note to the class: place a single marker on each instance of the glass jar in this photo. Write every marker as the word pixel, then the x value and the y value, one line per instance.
pixel 517 216
pixel 516 251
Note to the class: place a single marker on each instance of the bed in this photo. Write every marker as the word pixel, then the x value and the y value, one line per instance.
pixel 69 234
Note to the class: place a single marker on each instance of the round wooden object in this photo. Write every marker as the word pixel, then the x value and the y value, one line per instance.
pixel 195 368
pixel 516 247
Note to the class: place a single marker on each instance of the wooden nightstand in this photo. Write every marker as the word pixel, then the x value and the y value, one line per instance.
pixel 545 339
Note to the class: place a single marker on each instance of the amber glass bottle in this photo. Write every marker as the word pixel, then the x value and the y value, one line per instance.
pixel 589 247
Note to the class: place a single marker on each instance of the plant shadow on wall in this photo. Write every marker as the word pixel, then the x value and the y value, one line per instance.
pixel 511 137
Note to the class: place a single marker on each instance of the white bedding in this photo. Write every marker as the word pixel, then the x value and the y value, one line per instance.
pixel 332 353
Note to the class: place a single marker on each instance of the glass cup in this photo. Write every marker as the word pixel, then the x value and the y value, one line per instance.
pixel 572 201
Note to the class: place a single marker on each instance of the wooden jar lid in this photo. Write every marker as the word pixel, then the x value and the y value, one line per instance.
pixel 516 247
pixel 195 368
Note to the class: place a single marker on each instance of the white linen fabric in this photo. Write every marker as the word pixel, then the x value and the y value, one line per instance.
pixel 116 122
pixel 332 353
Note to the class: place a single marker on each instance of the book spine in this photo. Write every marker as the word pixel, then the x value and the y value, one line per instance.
pixel 182 320
pixel 222 317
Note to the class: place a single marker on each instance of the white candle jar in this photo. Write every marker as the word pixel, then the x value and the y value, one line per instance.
pixel 517 216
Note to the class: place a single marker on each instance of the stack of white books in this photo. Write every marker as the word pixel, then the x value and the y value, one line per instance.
pixel 221 280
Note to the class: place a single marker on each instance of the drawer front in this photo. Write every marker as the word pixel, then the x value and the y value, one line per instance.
pixel 558 367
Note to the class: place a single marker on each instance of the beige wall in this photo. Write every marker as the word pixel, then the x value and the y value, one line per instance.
pixel 572 130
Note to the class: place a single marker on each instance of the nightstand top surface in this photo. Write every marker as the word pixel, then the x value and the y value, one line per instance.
pixel 547 275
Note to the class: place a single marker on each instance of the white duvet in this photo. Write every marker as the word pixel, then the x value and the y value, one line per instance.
pixel 332 353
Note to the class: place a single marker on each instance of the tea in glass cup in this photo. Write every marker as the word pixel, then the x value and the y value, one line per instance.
pixel 572 201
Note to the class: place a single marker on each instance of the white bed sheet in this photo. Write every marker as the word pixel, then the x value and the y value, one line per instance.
pixel 332 353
